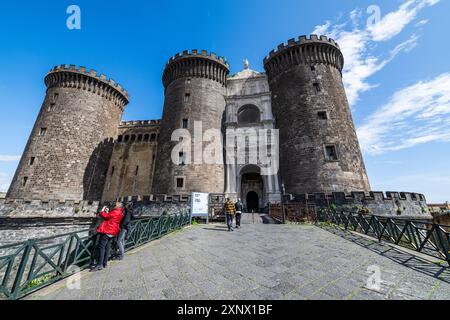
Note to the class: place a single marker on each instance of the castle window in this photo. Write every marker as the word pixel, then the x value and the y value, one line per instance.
pixel 55 97
pixel 180 183
pixel 322 115
pixel 146 137
pixel 139 139
pixel 330 153
pixel 32 160
pixel 52 107
pixel 42 132
pixel 317 87
pixel 119 138
pixel 24 182
pixel 313 69
pixel 136 171
pixel 185 123
pixel 127 138
pixel 112 171
pixel 182 158
pixel 187 98
pixel 188 81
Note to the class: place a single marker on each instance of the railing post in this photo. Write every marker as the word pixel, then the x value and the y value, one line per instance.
pixel 15 291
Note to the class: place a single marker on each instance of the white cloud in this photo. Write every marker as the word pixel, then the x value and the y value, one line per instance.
pixel 358 43
pixel 414 115
pixel 5 181
pixel 7 158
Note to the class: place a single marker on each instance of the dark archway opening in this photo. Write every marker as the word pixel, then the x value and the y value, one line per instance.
pixel 252 201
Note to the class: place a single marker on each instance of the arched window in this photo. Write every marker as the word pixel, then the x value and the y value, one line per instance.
pixel 249 114
pixel 146 137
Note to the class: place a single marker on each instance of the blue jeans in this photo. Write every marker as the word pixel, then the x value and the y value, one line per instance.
pixel 121 242
pixel 229 221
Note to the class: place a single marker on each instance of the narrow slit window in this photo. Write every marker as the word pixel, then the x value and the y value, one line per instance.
pixel 43 132
pixel 317 87
pixel 182 158
pixel 112 170
pixel 322 115
pixel 180 183
pixel 187 97
pixel 24 182
pixel 52 107
pixel 32 160
pixel 185 123
pixel 136 172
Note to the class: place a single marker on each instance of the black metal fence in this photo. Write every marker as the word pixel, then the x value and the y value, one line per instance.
pixel 425 237
pixel 31 265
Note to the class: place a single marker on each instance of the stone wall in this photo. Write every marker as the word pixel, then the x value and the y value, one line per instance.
pixel 393 204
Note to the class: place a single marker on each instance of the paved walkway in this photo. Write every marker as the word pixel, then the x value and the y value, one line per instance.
pixel 261 261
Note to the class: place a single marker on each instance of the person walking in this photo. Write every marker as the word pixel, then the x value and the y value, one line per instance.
pixel 128 216
pixel 239 206
pixel 107 230
pixel 230 211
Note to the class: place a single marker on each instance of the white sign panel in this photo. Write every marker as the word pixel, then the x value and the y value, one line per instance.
pixel 200 203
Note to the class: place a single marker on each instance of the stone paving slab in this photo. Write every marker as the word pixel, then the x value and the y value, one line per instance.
pixel 261 261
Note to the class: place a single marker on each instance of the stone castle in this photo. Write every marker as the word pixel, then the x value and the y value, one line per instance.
pixel 80 151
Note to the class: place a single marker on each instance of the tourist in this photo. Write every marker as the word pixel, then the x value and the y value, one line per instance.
pixel 239 206
pixel 107 230
pixel 230 211
pixel 128 216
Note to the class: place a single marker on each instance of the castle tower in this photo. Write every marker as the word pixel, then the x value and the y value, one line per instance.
pixel 195 90
pixel 319 149
pixel 68 152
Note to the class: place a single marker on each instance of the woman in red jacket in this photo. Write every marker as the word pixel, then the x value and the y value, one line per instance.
pixel 108 229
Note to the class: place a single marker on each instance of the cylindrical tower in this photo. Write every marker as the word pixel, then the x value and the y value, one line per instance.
pixel 319 149
pixel 195 89
pixel 68 152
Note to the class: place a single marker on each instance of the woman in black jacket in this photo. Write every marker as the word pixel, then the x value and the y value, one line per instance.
pixel 128 216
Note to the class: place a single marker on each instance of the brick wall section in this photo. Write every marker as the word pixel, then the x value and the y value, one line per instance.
pixel 303 135
pixel 204 78
pixel 81 113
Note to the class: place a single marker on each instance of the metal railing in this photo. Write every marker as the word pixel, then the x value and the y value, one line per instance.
pixel 425 237
pixel 31 265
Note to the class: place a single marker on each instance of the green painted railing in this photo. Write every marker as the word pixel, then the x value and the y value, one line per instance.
pixel 425 237
pixel 31 265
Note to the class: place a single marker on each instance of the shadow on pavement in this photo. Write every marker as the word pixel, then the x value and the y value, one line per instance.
pixel 408 260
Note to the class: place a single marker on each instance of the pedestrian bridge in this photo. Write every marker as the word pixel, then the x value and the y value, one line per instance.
pixel 261 261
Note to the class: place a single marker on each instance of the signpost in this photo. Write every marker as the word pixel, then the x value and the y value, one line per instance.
pixel 200 205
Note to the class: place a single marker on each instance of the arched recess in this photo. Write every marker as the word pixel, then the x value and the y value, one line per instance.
pixel 248 114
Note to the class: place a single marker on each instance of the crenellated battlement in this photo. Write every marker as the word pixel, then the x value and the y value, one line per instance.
pixel 304 51
pixel 19 208
pixel 79 77
pixel 139 123
pixel 196 63
pixel 372 195
pixel 198 53
pixel 398 204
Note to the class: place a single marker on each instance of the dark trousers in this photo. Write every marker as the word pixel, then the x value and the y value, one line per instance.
pixel 238 219
pixel 104 250
pixel 229 221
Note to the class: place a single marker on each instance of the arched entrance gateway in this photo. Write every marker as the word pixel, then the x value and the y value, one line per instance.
pixel 252 202
pixel 252 188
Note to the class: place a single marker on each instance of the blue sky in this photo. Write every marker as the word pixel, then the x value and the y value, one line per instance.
pixel 397 70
